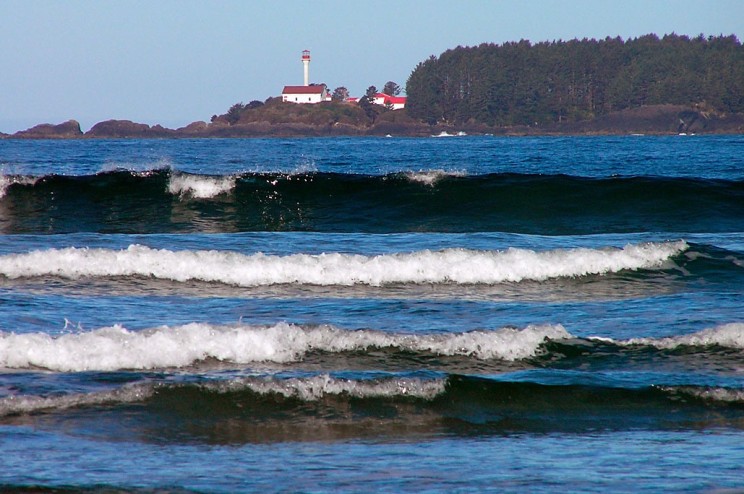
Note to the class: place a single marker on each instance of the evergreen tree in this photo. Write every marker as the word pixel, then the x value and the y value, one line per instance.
pixel 233 114
pixel 367 104
pixel 340 94
pixel 564 81
pixel 391 89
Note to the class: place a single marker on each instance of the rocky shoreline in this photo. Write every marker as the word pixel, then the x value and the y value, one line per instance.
pixel 657 119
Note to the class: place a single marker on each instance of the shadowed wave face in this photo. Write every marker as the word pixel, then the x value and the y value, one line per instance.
pixel 547 390
pixel 164 201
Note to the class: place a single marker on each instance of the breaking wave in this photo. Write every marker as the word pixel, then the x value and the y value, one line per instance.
pixel 116 348
pixel 431 177
pixel 200 186
pixel 458 266
pixel 7 181
pixel 727 335
pixel 275 408
pixel 307 389
pixel 123 201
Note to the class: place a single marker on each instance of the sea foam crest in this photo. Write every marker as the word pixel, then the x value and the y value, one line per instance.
pixel 8 180
pixel 138 169
pixel 431 177
pixel 317 387
pixel 727 335
pixel 713 394
pixel 200 186
pixel 310 388
pixel 129 393
pixel 115 347
pixel 446 266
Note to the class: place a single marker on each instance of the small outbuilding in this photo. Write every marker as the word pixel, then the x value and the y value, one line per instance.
pixel 394 102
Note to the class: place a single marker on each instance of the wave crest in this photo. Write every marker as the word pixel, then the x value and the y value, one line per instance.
pixel 707 394
pixel 200 186
pixel 116 348
pixel 317 387
pixel 458 266
pixel 9 180
pixel 307 389
pixel 431 177
pixel 20 404
pixel 729 335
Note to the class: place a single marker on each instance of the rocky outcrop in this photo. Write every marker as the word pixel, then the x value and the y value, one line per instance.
pixel 66 130
pixel 291 120
pixel 655 119
pixel 194 129
pixel 127 129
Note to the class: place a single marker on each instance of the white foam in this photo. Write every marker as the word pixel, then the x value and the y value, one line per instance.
pixel 431 177
pixel 721 395
pixel 311 388
pixel 446 266
pixel 115 347
pixel 727 335
pixel 5 182
pixel 444 133
pixel 317 387
pixel 8 180
pixel 199 186
pixel 138 169
pixel 129 393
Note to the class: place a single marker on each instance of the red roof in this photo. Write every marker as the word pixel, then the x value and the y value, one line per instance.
pixel 302 90
pixel 391 99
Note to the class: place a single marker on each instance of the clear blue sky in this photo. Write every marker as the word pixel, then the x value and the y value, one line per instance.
pixel 177 61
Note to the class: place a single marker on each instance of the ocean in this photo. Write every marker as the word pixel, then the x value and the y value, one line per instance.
pixel 452 314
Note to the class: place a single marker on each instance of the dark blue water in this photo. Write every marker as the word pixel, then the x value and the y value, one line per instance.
pixel 373 314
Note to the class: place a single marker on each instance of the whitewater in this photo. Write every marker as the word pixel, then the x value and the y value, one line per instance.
pixel 448 266
pixel 116 348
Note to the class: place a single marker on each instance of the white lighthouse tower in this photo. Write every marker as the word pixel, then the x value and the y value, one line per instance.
pixel 306 63
pixel 306 93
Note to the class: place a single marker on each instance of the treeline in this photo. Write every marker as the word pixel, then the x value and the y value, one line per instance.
pixel 521 83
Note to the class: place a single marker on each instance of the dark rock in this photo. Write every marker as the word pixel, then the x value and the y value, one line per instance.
pixel 278 119
pixel 651 119
pixel 194 129
pixel 66 130
pixel 116 129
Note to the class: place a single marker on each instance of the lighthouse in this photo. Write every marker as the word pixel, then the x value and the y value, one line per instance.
pixel 306 93
pixel 306 65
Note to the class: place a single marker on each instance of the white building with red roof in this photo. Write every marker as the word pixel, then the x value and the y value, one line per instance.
pixel 305 94
pixel 394 102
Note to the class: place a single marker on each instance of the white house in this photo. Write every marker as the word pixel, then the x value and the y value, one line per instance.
pixel 305 94
pixel 396 102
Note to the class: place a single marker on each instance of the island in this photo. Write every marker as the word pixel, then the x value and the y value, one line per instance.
pixel 649 85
